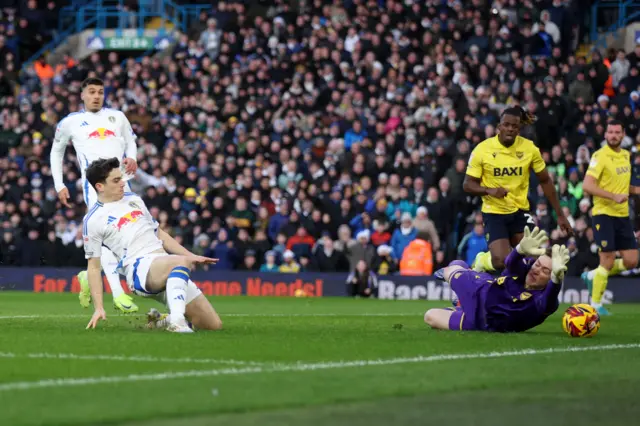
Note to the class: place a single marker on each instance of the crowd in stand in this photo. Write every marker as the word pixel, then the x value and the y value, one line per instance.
pixel 325 135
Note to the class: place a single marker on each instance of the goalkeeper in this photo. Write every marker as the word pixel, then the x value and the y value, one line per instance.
pixel 521 298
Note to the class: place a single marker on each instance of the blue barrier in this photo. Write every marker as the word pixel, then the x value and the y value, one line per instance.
pixel 628 12
pixel 235 283
pixel 109 14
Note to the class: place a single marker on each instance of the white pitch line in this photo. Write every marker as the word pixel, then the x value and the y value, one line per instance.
pixel 129 358
pixel 277 315
pixel 300 366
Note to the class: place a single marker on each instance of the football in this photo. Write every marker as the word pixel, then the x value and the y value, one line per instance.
pixel 581 321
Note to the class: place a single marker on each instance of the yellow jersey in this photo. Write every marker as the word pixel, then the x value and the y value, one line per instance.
pixel 612 170
pixel 500 167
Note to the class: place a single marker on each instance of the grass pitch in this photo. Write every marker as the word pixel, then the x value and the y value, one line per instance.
pixel 286 361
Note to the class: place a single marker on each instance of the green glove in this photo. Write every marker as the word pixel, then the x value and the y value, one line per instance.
pixel 559 260
pixel 532 242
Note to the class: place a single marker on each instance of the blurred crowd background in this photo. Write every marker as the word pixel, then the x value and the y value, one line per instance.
pixel 318 135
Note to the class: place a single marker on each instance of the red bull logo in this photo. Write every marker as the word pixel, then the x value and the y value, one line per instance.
pixel 128 218
pixel 101 133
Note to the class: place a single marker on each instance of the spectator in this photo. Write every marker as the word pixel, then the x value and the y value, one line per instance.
pixel 362 282
pixel 223 249
pixel 301 243
pixel 361 250
pixel 403 235
pixel 289 264
pixel 384 263
pixel 210 39
pixel 425 228
pixel 249 261
pixel 328 259
pixel 472 243
pixel 270 262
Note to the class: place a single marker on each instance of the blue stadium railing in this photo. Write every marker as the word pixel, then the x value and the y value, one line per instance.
pixel 626 12
pixel 110 14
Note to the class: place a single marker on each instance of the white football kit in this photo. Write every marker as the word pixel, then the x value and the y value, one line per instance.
pixel 104 134
pixel 128 230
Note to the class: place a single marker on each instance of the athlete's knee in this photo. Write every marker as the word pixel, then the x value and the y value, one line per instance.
pixel 607 260
pixel 215 324
pixel 497 260
pixel 430 317
pixel 183 262
pixel 630 260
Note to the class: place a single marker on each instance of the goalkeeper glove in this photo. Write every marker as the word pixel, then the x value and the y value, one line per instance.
pixel 532 242
pixel 559 260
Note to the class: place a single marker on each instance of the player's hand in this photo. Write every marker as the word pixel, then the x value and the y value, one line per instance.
pixel 64 196
pixel 497 192
pixel 564 224
pixel 559 260
pixel 201 260
pixel 620 198
pixel 98 315
pixel 130 166
pixel 531 243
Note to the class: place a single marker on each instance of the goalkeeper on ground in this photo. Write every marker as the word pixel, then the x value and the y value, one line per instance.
pixel 522 297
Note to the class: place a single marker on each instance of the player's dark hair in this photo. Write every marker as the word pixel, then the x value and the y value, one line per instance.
pixel 615 123
pixel 92 81
pixel 99 170
pixel 526 117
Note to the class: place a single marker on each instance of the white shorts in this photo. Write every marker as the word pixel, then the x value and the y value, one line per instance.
pixel 137 272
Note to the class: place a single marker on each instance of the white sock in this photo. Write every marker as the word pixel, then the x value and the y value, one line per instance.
pixel 596 305
pixel 109 266
pixel 591 274
pixel 177 293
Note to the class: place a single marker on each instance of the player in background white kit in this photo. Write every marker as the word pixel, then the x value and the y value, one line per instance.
pixel 120 221
pixel 95 132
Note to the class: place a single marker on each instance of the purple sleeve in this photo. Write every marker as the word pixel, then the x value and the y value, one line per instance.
pixel 547 301
pixel 516 264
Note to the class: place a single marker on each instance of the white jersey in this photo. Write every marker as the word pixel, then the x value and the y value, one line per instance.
pixel 124 227
pixel 104 134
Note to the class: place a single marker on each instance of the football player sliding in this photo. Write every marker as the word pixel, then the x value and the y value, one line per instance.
pixel 120 221
pixel 522 297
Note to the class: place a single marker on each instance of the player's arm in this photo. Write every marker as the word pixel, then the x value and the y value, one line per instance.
pixel 634 190
pixel 93 251
pixel 547 301
pixel 531 245
pixel 473 178
pixel 60 142
pixel 171 245
pixel 591 187
pixel 94 275
pixel 517 264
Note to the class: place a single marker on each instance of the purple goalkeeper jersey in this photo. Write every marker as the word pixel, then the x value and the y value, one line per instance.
pixel 509 307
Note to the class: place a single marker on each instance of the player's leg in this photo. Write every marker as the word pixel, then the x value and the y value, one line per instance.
pixel 170 273
pixel 202 315
pixel 626 244
pixel 121 300
pixel 199 311
pixel 438 318
pixel 497 234
pixel 467 285
pixel 518 222
pixel 604 235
